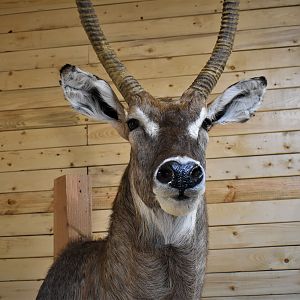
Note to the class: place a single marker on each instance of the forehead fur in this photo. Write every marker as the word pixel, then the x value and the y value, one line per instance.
pixel 167 111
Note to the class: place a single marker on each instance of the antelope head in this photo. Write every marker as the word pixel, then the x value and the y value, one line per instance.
pixel 168 138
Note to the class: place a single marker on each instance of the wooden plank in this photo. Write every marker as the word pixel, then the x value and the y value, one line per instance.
pixel 56 57
pixel 46 58
pixel 253 212
pixel 17 6
pixel 17 269
pixel 252 283
pixel 171 87
pixel 146 29
pixel 174 86
pixel 42 201
pixel 220 237
pixel 275 99
pixel 253 259
pixel 41 118
pixel 262 122
pixel 123 12
pixel 232 260
pixel 219 215
pixel 232 168
pixel 159 67
pixel 258 189
pixel 258 235
pixel 254 166
pixel 72 210
pixel 33 180
pixel 66 116
pixel 185 65
pixel 189 45
pixel 41 138
pixel 16 290
pixel 103 134
pixel 35 224
pixel 105 154
pixel 26 246
pixel 26 202
pixel 281 99
pixel 106 175
pixel 65 157
pixel 32 98
pixel 240 145
pixel 83 156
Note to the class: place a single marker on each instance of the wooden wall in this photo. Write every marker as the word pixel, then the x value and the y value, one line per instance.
pixel 253 187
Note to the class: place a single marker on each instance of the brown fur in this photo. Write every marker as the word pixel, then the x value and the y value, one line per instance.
pixel 136 260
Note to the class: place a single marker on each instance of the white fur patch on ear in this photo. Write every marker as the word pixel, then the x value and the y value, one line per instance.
pixel 151 127
pixel 194 127
pixel 239 102
pixel 90 95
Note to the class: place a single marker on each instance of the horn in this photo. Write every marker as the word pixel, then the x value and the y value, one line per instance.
pixel 209 75
pixel 126 84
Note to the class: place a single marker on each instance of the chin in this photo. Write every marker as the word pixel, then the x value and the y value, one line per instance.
pixel 178 208
pixel 176 205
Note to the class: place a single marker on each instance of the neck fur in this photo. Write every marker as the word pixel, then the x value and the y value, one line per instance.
pixel 174 230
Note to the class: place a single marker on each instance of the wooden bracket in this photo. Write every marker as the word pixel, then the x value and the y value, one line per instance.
pixel 72 210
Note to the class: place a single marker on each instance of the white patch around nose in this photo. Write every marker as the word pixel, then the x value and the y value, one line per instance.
pixel 194 127
pixel 151 127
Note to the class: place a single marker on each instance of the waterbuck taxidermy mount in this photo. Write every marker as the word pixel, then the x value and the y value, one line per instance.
pixel 157 242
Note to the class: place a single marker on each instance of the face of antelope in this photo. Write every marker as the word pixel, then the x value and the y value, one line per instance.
pixel 168 139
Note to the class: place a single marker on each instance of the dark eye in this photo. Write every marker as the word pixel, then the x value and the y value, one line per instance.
pixel 133 124
pixel 207 123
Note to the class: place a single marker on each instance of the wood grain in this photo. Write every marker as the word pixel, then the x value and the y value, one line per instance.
pixel 80 156
pixel 282 279
pixel 252 283
pixel 41 138
pixel 146 29
pixel 159 67
pixel 224 191
pixel 218 261
pixel 220 237
pixel 72 210
pixel 122 12
pixel 253 199
pixel 240 213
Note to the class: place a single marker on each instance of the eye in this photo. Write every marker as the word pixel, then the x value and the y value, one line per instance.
pixel 133 124
pixel 207 124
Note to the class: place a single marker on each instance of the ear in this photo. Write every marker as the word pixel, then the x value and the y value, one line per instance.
pixel 92 97
pixel 238 103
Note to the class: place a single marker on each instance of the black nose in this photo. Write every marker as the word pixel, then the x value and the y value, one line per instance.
pixel 180 176
pixel 66 68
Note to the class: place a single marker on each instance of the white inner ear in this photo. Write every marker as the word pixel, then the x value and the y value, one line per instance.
pixel 194 127
pixel 107 93
pixel 239 102
pixel 151 127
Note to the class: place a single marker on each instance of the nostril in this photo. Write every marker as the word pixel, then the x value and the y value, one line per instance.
pixel 165 173
pixel 196 172
pixel 196 176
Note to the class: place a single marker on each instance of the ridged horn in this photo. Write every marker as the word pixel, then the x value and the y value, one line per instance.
pixel 125 83
pixel 209 75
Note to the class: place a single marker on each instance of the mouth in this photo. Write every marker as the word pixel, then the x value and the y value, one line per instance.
pixel 181 196
pixel 178 203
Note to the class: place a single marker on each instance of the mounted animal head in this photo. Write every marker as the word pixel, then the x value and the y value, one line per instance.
pixel 168 138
